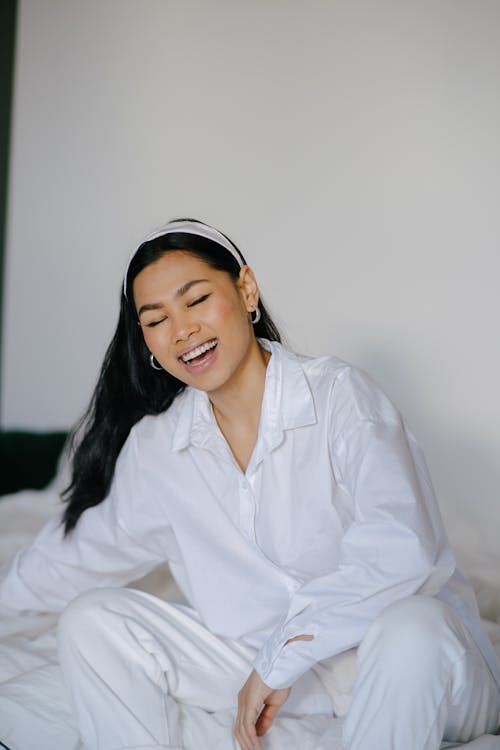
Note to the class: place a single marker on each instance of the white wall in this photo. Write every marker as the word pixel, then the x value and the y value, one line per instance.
pixel 351 149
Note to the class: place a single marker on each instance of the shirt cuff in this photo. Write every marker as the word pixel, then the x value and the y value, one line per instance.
pixel 280 665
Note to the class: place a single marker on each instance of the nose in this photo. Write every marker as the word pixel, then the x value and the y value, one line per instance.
pixel 185 325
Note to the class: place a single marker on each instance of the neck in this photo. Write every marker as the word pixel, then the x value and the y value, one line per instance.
pixel 239 403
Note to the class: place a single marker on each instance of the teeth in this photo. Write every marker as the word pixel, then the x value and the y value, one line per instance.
pixel 199 350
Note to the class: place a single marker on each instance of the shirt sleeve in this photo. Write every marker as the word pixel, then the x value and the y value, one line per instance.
pixel 100 551
pixel 393 547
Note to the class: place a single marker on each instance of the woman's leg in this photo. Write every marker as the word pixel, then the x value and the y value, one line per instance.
pixel 129 660
pixel 421 680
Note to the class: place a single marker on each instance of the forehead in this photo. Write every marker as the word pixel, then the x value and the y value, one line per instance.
pixel 165 276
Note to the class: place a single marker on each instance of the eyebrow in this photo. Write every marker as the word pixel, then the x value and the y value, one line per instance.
pixel 182 290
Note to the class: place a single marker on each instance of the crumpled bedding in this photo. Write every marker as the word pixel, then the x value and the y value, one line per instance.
pixel 36 714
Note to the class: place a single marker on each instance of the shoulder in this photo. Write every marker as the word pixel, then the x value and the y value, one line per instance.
pixel 345 392
pixel 147 458
pixel 163 426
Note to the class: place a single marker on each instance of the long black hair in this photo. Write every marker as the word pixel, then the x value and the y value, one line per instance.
pixel 128 387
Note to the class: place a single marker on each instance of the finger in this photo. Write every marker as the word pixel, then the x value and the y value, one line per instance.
pixel 247 743
pixel 241 725
pixel 265 719
pixel 245 731
pixel 251 734
pixel 244 739
pixel 244 743
pixel 299 638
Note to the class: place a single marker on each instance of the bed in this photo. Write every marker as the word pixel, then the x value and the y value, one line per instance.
pixel 31 690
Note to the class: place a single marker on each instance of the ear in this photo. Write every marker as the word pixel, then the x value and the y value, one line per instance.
pixel 247 285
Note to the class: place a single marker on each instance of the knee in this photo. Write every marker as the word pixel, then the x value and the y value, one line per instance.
pixel 415 630
pixel 412 617
pixel 86 614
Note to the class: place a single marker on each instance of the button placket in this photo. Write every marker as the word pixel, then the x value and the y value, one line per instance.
pixel 247 509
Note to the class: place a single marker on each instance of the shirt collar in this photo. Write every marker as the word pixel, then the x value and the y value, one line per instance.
pixel 287 403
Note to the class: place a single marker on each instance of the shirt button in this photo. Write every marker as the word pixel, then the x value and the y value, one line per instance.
pixel 244 485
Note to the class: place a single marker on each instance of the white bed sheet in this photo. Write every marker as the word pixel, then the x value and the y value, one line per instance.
pixel 31 683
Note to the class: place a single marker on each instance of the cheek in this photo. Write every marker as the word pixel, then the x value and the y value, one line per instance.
pixel 148 338
pixel 153 338
pixel 228 310
pixel 231 310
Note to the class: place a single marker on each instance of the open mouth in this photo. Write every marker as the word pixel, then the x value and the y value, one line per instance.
pixel 199 353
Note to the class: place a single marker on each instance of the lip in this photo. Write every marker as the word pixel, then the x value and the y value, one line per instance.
pixel 194 346
pixel 205 363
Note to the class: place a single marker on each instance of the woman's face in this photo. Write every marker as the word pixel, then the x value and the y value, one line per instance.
pixel 194 318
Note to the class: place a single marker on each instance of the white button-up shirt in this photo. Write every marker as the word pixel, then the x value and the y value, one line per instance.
pixel 334 519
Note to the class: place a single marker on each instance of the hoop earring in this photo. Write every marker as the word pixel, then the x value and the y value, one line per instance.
pixel 152 362
pixel 257 316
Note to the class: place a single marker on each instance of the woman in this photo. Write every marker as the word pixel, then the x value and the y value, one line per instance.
pixel 296 513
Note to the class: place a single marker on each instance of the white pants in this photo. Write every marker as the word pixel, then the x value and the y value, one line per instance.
pixel 130 660
pixel 421 680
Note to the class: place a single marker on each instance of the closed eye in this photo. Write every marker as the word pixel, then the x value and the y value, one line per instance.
pixel 154 323
pixel 198 300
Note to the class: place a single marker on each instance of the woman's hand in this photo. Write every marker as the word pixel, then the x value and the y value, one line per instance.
pixel 251 721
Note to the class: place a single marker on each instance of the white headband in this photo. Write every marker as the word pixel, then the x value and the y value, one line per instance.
pixel 188 227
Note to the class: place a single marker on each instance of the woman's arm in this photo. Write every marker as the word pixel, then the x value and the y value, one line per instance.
pixel 100 551
pixel 395 546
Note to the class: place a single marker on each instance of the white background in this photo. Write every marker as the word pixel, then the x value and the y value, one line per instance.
pixel 352 151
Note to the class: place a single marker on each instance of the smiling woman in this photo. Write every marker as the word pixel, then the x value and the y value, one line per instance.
pixel 118 402
pixel 191 314
pixel 195 322
pixel 295 510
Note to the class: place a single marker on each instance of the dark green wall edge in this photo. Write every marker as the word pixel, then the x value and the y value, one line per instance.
pixel 8 15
